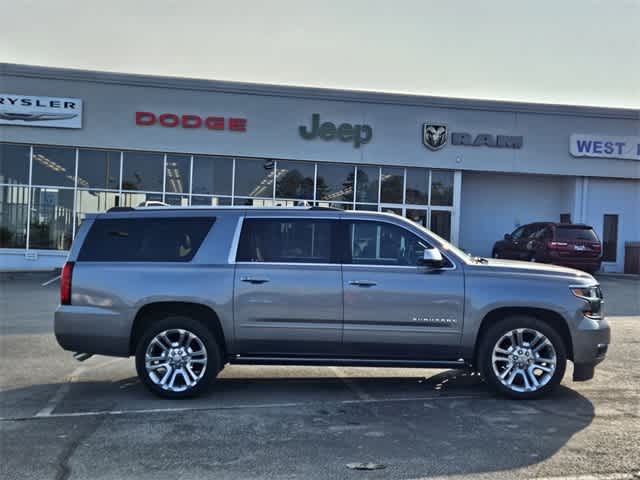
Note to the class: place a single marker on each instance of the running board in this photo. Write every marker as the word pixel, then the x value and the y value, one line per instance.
pixel 346 362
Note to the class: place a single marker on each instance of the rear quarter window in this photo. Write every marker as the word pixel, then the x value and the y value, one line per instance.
pixel 145 239
pixel 572 234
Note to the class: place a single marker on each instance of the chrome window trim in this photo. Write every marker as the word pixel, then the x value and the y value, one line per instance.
pixel 291 264
pixel 233 250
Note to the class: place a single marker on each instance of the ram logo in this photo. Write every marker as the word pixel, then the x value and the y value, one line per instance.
pixel 434 136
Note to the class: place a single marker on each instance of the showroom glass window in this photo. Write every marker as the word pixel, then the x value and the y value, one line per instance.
pixel 391 185
pixel 177 174
pixel 441 188
pixel 14 203
pixel 254 178
pixel 334 182
pixel 142 171
pixel 212 175
pixel 54 166
pixel 98 169
pixel 51 225
pixel 417 191
pixel 294 179
pixel 14 163
pixel 367 184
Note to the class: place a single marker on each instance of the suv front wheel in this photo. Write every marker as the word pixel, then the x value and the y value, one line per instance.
pixel 522 357
pixel 177 357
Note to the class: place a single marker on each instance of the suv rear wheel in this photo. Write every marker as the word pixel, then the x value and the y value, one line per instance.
pixel 522 357
pixel 177 357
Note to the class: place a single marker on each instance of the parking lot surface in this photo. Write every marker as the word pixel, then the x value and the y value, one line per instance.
pixel 62 419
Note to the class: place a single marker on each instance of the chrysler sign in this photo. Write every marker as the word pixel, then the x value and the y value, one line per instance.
pixel 584 145
pixel 37 111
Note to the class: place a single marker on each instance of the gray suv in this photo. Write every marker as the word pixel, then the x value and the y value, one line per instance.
pixel 188 290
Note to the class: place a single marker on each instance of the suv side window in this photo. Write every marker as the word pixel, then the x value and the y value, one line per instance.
pixel 145 239
pixel 381 243
pixel 517 233
pixel 286 240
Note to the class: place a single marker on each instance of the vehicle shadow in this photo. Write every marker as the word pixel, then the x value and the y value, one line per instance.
pixel 443 424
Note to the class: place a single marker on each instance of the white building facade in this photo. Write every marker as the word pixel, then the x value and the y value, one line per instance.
pixel 74 142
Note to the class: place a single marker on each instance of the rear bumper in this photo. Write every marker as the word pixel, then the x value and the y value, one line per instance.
pixel 590 264
pixel 91 330
pixel 590 345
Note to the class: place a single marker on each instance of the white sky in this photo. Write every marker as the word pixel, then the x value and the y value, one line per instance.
pixel 554 51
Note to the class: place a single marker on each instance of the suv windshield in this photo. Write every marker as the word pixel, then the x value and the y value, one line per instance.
pixel 571 234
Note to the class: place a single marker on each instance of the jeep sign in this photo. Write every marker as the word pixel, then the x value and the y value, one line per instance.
pixel 346 132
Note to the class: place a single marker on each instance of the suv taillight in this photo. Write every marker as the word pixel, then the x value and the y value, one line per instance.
pixel 65 284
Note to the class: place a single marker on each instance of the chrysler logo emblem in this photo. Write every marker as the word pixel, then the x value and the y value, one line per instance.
pixel 434 136
pixel 36 117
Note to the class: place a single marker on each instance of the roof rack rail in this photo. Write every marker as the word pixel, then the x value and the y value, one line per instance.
pixel 332 209
pixel 120 209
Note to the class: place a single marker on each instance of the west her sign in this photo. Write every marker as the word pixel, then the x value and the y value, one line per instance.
pixel 38 111
pixel 585 145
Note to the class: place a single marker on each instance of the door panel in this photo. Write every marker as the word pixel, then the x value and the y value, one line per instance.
pixel 295 309
pixel 406 312
pixel 392 306
pixel 288 287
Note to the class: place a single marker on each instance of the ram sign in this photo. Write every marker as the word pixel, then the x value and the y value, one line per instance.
pixel 38 111
pixel 584 145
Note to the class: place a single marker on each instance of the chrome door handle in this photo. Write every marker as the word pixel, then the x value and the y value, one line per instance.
pixel 255 280
pixel 362 283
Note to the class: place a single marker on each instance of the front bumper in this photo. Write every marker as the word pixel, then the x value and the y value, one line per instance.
pixel 591 341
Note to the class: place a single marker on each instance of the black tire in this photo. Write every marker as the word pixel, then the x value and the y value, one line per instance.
pixel 212 365
pixel 495 332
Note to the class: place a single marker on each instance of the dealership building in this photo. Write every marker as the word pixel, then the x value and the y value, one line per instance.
pixel 74 142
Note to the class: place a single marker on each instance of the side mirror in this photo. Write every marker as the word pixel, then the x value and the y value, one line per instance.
pixel 431 257
pixel 507 236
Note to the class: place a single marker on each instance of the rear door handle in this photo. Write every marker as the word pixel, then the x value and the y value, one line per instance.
pixel 254 280
pixel 362 283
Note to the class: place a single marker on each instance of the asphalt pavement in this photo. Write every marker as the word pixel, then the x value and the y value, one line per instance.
pixel 62 419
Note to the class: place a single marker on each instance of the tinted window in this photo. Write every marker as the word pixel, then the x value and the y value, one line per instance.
pixel 54 166
pixel 417 186
pixel 254 178
pixel 285 240
pixel 335 182
pixel 571 234
pixel 14 163
pixel 177 176
pixel 367 183
pixel 441 188
pixel 517 233
pixel 212 175
pixel 142 171
pixel 144 239
pixel 380 243
pixel 294 179
pixel 98 169
pixel 610 238
pixel 391 185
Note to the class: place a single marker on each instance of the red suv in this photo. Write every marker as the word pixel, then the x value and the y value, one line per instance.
pixel 566 244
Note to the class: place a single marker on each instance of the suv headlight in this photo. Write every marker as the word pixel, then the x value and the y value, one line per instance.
pixel 592 296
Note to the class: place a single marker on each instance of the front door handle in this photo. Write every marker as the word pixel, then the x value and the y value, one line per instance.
pixel 254 280
pixel 362 283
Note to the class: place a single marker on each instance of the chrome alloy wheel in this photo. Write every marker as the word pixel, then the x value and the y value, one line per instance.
pixel 176 360
pixel 524 360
